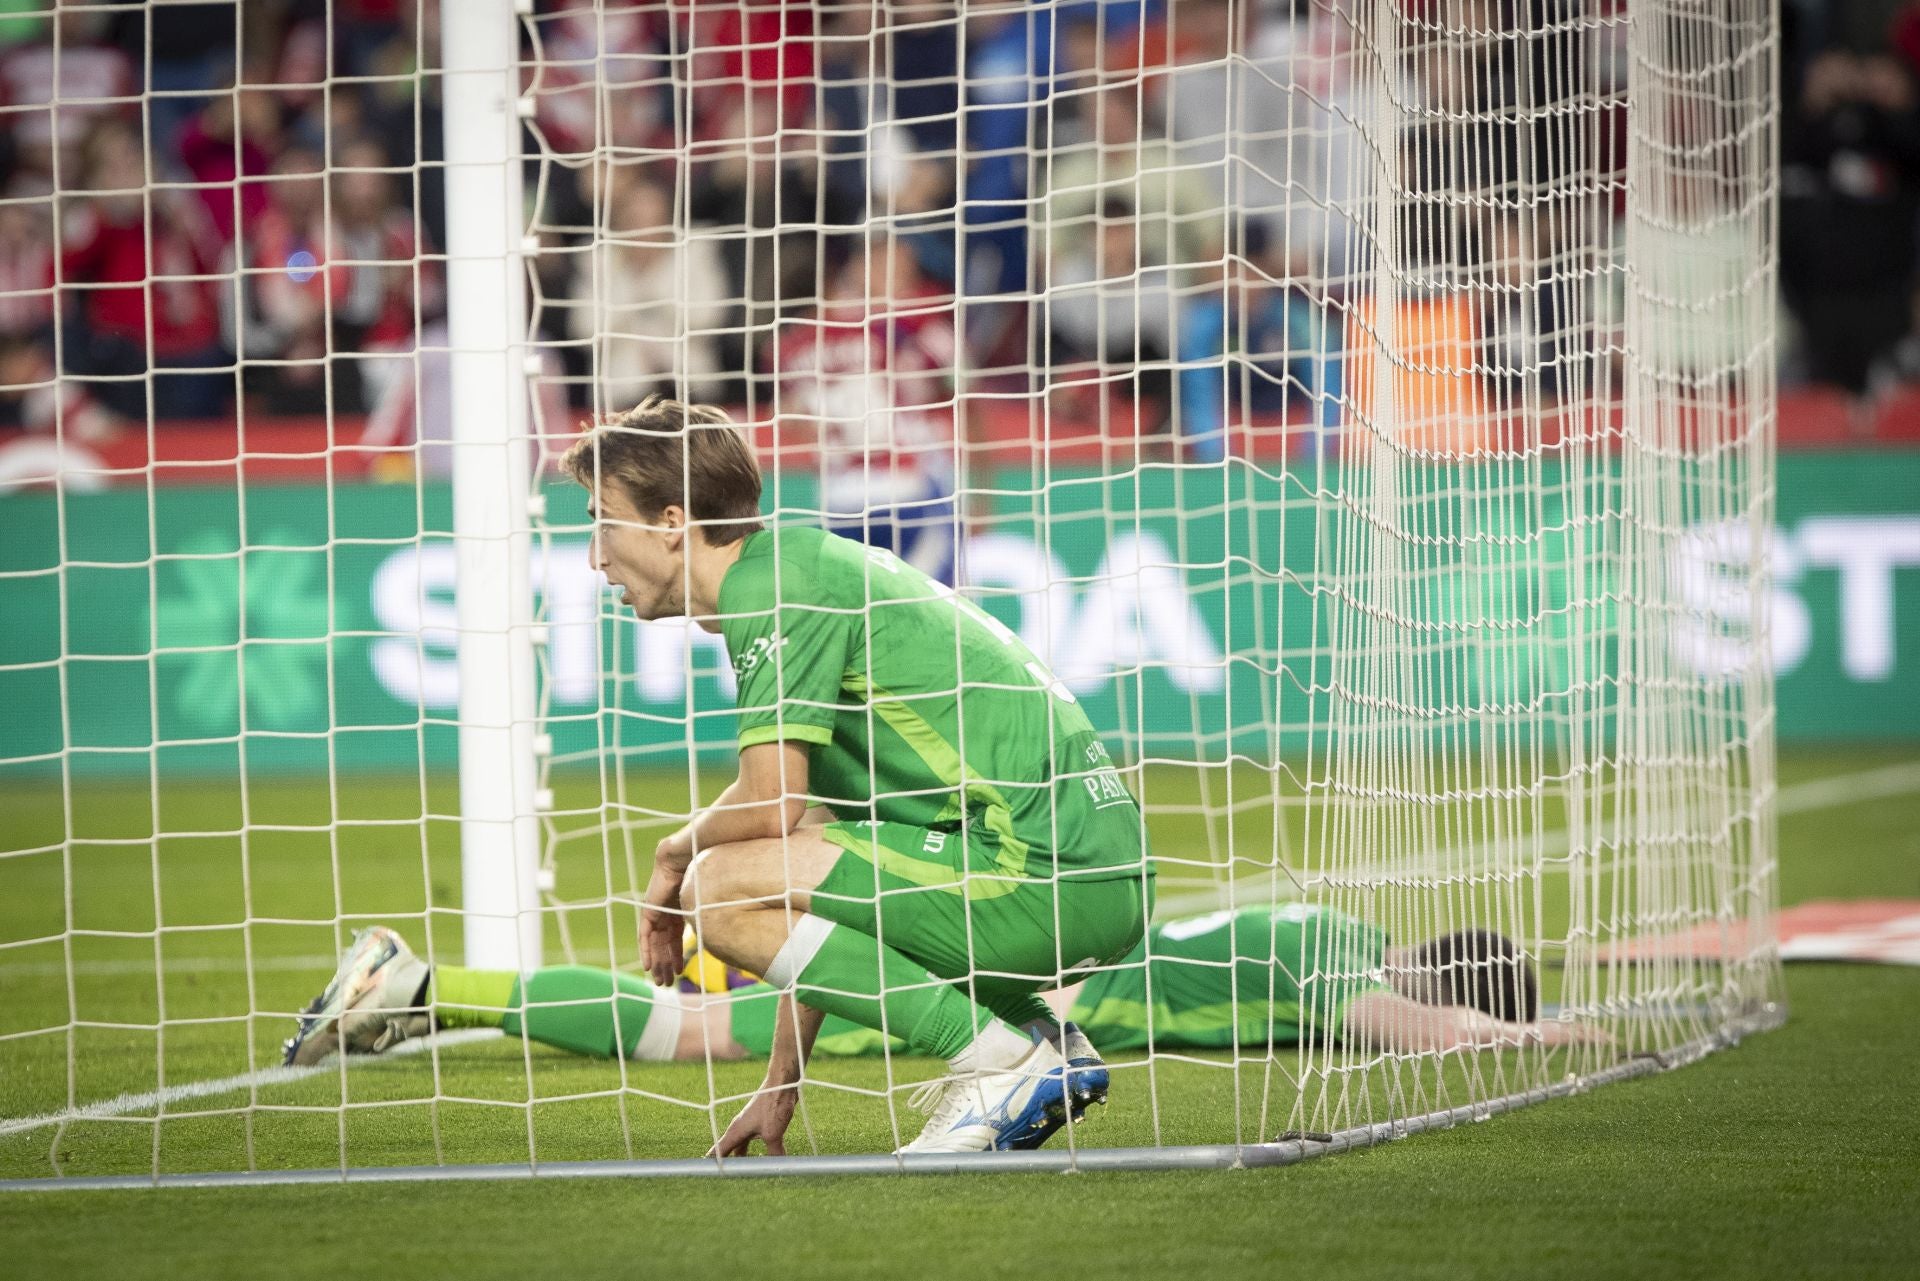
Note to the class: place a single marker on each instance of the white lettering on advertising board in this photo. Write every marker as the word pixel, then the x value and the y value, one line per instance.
pixel 1134 610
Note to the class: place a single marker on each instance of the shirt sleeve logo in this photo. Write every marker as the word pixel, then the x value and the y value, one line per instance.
pixel 757 653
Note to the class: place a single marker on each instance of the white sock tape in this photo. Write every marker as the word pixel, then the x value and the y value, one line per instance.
pixel 809 934
pixel 660 1039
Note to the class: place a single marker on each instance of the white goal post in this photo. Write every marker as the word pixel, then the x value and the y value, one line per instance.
pixel 1364 409
pixel 493 493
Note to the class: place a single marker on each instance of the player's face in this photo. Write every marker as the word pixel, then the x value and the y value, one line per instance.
pixel 646 564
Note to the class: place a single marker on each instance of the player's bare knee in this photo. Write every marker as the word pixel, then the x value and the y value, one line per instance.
pixel 721 877
pixel 717 928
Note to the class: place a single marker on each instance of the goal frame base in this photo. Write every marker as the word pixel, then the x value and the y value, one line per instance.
pixel 1067 1160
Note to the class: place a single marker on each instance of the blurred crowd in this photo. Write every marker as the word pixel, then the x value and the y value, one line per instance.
pixel 1850 194
pixel 203 197
pixel 861 214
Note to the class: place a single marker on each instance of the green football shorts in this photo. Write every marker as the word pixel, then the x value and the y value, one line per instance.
pixel 941 898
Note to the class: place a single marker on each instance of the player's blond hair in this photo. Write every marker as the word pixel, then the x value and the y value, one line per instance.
pixel 663 454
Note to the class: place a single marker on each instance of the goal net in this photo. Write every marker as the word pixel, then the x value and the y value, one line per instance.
pixel 1360 412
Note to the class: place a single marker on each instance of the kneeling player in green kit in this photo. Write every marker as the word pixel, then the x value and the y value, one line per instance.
pixel 1250 978
pixel 925 829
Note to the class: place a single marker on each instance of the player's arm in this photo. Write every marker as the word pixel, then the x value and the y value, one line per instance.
pixel 767 800
pixel 1388 1021
pixel 769 1112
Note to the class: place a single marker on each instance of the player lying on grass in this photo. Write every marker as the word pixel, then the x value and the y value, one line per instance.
pixel 974 842
pixel 1225 979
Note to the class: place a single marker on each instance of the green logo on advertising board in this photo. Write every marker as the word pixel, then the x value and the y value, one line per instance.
pixel 223 620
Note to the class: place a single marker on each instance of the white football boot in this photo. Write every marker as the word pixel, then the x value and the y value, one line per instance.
pixel 993 1111
pixel 370 1004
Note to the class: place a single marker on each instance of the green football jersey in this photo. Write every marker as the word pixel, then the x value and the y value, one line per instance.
pixel 1234 978
pixel 921 707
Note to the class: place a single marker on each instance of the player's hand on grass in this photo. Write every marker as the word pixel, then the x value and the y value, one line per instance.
pixel 1570 1033
pixel 663 927
pixel 765 1118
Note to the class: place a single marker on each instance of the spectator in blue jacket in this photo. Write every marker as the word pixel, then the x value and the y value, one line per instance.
pixel 1263 325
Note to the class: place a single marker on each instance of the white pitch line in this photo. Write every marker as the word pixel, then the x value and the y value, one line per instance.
pixel 1845 789
pixel 260 1079
pixel 1835 790
pixel 192 965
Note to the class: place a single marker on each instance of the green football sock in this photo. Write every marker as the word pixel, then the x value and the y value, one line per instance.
pixel 471 998
pixel 570 1007
pixel 753 1014
pixel 845 973
pixel 588 1011
pixel 1023 1010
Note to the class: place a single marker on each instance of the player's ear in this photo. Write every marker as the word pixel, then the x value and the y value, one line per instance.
pixel 673 523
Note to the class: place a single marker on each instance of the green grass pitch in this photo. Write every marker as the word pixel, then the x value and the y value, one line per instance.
pixel 1792 1155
